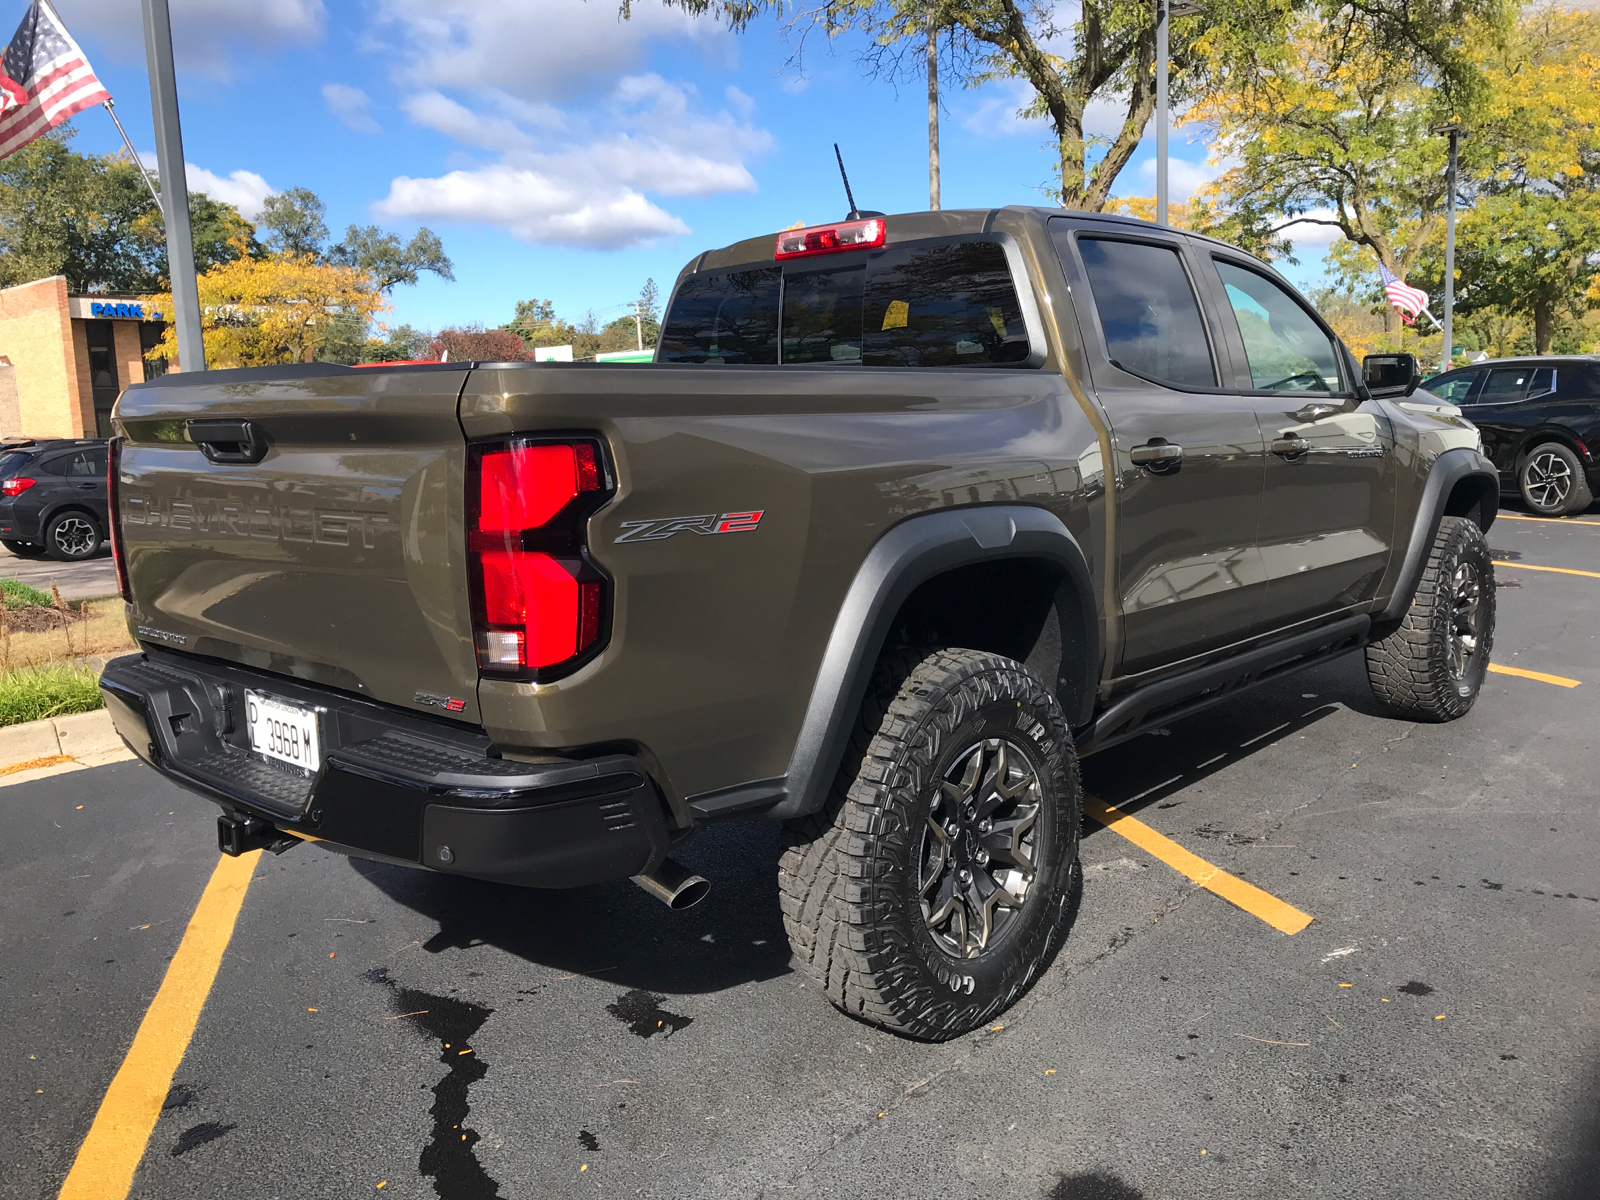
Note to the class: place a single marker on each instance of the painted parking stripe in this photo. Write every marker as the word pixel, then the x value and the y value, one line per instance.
pixel 111 1153
pixel 1505 516
pixel 1558 680
pixel 1281 916
pixel 1522 566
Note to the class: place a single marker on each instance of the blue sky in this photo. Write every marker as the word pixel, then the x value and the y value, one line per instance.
pixel 559 152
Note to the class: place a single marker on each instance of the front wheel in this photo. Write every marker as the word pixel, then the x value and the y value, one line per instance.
pixel 1552 481
pixel 1432 667
pixel 936 884
pixel 71 536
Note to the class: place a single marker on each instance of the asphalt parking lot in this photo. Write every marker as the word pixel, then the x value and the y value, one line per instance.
pixel 1433 1031
pixel 89 579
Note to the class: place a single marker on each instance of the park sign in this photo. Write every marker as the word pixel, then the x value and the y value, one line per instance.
pixel 85 308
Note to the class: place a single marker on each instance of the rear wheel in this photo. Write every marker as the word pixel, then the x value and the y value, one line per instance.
pixel 935 886
pixel 22 549
pixel 71 536
pixel 1432 667
pixel 1552 482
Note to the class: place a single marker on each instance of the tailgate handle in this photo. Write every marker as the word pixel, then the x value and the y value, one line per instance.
pixel 223 441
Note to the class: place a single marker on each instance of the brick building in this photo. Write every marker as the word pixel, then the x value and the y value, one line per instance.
pixel 69 355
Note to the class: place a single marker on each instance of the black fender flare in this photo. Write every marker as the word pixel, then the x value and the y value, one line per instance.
pixel 905 557
pixel 1449 470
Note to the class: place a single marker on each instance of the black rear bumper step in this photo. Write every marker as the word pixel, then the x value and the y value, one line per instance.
pixel 392 785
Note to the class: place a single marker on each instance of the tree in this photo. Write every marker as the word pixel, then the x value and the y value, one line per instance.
pixel 381 255
pixel 403 344
pixel 471 343
pixel 1108 53
pixel 282 308
pixel 294 224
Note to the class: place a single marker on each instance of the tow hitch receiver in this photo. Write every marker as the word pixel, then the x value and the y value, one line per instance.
pixel 236 835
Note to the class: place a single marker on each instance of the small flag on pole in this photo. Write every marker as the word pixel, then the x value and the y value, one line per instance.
pixel 44 79
pixel 1405 298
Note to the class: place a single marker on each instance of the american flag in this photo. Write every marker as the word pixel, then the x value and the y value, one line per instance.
pixel 1404 297
pixel 44 79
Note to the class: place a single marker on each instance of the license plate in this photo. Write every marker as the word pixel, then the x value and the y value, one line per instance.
pixel 283 731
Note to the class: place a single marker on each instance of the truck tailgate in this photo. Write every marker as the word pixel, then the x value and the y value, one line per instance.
pixel 338 558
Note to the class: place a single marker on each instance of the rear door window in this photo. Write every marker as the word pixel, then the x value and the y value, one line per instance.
pixel 1287 350
pixel 1511 385
pixel 728 317
pixel 1148 311
pixel 88 464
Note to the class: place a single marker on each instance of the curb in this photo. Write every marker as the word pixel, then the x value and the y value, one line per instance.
pixel 87 739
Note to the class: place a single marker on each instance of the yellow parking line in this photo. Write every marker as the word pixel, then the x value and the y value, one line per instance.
pixel 1558 680
pixel 1505 516
pixel 110 1154
pixel 1522 566
pixel 1283 917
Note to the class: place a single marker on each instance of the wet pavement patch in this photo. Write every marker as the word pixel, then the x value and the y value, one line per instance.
pixel 1416 988
pixel 449 1158
pixel 641 1012
pixel 179 1095
pixel 199 1135
pixel 588 1140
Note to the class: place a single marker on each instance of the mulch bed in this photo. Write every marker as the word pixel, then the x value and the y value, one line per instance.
pixel 36 618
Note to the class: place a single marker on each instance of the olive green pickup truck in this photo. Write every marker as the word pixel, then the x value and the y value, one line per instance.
pixel 908 513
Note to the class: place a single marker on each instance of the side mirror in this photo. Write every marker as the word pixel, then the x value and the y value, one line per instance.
pixel 1391 374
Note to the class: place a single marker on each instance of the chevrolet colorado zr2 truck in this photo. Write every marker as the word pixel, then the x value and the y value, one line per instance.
pixel 908 514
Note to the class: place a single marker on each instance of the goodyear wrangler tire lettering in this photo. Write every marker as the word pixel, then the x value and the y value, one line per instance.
pixel 961 784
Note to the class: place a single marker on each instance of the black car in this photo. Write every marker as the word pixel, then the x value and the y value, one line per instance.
pixel 53 498
pixel 1540 419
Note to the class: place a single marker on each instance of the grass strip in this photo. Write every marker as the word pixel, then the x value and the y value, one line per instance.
pixel 20 595
pixel 39 692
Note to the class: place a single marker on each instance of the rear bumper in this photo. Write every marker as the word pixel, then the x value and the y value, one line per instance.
pixel 392 785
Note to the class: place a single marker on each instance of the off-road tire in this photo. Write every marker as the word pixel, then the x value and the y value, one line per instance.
pixel 1411 670
pixel 849 876
pixel 22 549
pixel 1552 481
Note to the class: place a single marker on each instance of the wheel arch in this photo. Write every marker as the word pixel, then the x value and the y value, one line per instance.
pixel 1461 482
pixel 933 566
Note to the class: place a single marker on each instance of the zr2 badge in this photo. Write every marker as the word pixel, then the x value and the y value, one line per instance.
pixel 707 523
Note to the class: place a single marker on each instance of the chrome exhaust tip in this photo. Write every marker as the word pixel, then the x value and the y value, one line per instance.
pixel 674 885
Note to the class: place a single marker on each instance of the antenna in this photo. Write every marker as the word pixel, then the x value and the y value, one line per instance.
pixel 853 213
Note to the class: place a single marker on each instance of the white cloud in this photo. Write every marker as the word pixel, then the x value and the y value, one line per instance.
pixel 1183 178
pixel 579 177
pixel 245 190
pixel 995 114
pixel 534 207
pixel 351 105
pixel 1307 235
pixel 204 32
pixel 539 51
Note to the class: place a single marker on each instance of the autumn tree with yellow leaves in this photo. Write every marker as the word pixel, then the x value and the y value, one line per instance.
pixel 282 308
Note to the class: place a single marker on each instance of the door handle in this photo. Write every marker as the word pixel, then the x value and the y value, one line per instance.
pixel 1315 412
pixel 1158 455
pixel 228 441
pixel 88 485
pixel 1290 447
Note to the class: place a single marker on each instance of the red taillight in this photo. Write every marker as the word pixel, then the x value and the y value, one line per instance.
pixel 831 239
pixel 113 455
pixel 15 487
pixel 539 600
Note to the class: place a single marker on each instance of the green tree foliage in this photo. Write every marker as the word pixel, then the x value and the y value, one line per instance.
pixel 91 218
pixel 294 223
pixel 401 344
pixel 381 255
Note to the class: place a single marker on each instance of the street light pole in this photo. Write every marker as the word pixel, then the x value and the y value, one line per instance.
pixel 174 187
pixel 933 110
pixel 1161 111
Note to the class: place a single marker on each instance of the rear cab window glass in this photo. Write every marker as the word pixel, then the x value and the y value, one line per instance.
pixel 922 304
pixel 1148 311
pixel 728 317
pixel 1286 348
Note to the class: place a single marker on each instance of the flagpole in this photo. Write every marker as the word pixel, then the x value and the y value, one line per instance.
pixel 169 163
pixel 134 154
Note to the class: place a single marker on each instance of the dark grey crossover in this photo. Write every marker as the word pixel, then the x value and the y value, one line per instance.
pixel 909 513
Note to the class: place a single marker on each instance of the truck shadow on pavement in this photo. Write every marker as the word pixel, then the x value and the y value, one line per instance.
pixel 614 931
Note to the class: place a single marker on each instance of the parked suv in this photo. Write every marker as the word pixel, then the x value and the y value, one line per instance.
pixel 908 513
pixel 1540 420
pixel 53 498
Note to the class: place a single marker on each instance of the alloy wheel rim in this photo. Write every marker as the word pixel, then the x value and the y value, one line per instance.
pixel 1548 479
pixel 74 536
pixel 978 849
pixel 1466 617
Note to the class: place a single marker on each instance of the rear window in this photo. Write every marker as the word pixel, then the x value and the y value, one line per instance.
pixel 13 461
pixel 945 304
